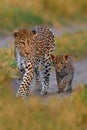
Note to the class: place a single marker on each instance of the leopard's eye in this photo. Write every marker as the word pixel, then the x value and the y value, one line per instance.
pixel 23 43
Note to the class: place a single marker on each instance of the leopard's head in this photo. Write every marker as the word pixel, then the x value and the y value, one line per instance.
pixel 23 40
pixel 60 61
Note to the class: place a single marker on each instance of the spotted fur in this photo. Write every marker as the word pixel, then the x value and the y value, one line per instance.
pixel 64 71
pixel 33 47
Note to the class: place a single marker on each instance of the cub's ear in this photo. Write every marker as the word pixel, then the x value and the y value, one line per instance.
pixel 15 33
pixel 66 57
pixel 53 57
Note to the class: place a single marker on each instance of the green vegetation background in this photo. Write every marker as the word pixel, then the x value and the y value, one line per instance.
pixel 25 13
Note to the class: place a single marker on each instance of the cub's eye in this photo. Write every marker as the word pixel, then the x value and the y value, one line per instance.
pixel 22 42
pixel 61 62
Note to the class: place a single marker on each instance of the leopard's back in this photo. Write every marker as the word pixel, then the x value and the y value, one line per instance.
pixel 44 40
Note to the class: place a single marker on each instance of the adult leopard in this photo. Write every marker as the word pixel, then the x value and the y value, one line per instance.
pixel 31 48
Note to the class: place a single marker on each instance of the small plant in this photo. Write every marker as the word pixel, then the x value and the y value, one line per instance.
pixel 85 85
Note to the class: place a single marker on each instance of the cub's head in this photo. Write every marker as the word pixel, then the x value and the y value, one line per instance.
pixel 60 61
pixel 23 40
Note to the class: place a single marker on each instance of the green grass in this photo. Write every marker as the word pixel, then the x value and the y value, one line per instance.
pixel 18 18
pixel 7 62
pixel 74 44
pixel 21 14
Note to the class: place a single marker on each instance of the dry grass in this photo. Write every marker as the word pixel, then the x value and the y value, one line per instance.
pixel 59 7
pixel 33 114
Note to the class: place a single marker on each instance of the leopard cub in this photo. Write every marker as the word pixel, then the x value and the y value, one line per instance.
pixel 64 71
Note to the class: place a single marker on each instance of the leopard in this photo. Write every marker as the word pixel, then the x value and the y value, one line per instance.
pixel 64 70
pixel 32 48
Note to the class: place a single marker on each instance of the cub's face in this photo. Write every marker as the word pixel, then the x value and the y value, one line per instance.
pixel 23 40
pixel 60 61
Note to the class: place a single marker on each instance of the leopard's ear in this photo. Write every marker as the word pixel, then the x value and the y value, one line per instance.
pixel 53 57
pixel 34 31
pixel 15 33
pixel 66 57
pixel 24 31
pixel 31 33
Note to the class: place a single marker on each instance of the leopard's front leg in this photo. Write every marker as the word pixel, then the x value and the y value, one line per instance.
pixel 46 67
pixel 24 89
